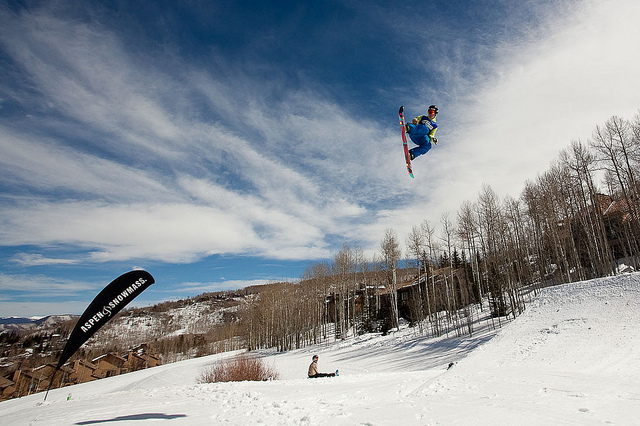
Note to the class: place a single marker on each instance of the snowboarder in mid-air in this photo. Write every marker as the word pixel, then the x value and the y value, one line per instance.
pixel 422 131
pixel 313 370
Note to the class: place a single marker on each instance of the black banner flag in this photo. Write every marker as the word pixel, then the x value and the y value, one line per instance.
pixel 107 303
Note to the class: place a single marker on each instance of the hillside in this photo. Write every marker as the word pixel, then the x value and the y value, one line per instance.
pixel 178 330
pixel 571 358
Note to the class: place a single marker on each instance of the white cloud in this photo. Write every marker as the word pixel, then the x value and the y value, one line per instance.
pixel 49 166
pixel 40 286
pixel 168 232
pixel 30 259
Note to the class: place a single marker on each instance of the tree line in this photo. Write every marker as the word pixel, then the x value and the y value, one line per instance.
pixel 494 254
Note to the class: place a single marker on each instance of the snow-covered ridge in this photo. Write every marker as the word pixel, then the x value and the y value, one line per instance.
pixel 571 358
pixel 21 323
pixel 191 316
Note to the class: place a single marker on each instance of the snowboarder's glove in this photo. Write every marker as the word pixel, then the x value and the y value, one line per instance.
pixel 434 140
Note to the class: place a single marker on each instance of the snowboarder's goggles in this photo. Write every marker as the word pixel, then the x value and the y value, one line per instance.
pixel 432 111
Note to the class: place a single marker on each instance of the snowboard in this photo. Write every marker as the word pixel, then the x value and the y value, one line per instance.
pixel 407 159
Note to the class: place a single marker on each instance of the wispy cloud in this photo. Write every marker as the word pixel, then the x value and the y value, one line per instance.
pixel 51 167
pixel 41 287
pixel 31 259
pixel 165 200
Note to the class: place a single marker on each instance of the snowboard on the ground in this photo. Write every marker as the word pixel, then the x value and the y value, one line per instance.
pixel 407 158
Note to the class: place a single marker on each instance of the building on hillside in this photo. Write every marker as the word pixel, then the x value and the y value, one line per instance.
pixel 25 381
pixel 7 388
pixel 445 288
pixel 109 364
pixel 141 357
pixel 617 218
pixel 45 375
pixel 434 287
pixel 621 229
pixel 84 371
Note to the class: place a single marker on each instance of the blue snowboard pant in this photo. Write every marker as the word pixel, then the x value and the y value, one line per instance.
pixel 419 134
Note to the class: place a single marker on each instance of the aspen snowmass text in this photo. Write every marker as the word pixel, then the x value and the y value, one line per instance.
pixel 106 310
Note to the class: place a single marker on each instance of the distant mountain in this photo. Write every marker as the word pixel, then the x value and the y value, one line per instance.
pixel 21 323
pixel 55 319
pixel 14 320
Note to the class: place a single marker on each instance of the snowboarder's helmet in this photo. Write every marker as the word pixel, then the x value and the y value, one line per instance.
pixel 315 357
pixel 432 108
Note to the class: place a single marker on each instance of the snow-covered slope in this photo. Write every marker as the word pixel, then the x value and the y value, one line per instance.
pixel 572 358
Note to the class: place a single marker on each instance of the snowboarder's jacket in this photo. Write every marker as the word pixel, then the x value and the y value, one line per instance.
pixel 313 369
pixel 431 125
pixel 422 134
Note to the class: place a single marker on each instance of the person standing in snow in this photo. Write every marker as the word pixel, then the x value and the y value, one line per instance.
pixel 422 131
pixel 313 370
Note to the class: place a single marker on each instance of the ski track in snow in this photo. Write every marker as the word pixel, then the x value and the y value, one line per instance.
pixel 572 358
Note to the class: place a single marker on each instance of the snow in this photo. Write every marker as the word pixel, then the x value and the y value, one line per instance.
pixel 572 358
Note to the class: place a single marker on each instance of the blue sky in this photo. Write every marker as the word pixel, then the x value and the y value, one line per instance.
pixel 221 144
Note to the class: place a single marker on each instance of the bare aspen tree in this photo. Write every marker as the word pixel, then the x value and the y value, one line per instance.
pixel 532 196
pixel 490 221
pixel 468 231
pixel 514 250
pixel 447 238
pixel 343 270
pixel 319 277
pixel 614 144
pixel 415 247
pixel 429 255
pixel 390 255
pixel 593 238
pixel 552 204
pixel 363 282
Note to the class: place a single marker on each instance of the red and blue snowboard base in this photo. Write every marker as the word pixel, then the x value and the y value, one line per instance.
pixel 407 158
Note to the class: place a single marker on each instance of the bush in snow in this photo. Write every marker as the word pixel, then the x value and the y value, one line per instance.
pixel 238 369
